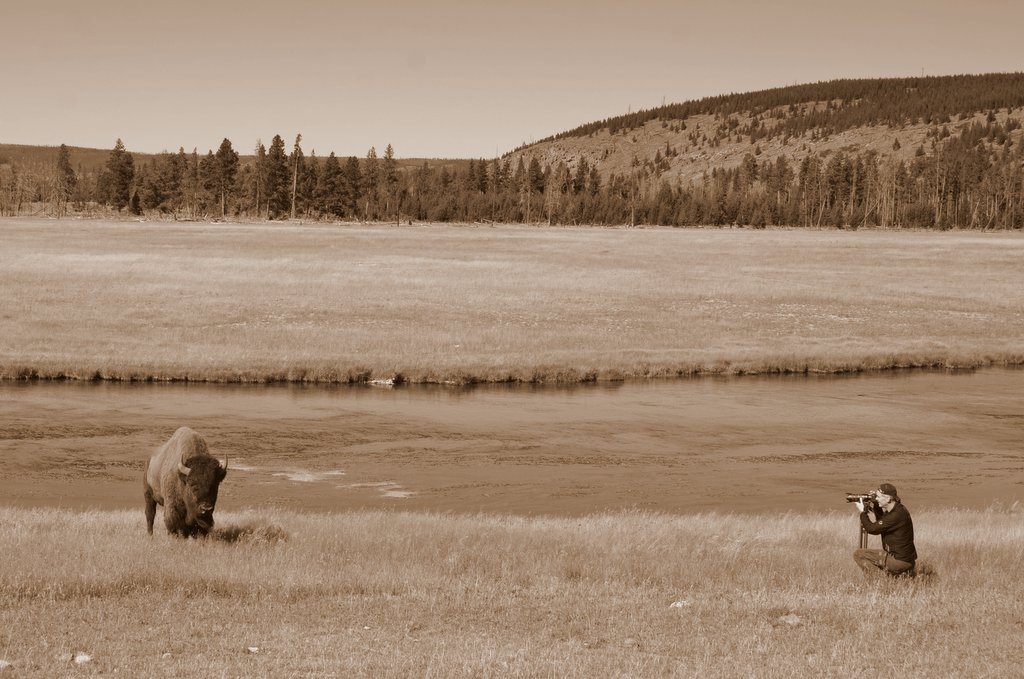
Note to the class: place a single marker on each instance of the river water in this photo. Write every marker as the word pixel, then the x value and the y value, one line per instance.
pixel 745 444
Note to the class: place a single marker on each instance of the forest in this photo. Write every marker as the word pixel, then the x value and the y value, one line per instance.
pixel 969 174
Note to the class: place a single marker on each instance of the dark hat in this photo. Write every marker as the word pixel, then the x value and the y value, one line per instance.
pixel 889 490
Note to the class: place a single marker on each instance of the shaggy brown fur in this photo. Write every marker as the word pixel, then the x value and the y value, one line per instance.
pixel 184 478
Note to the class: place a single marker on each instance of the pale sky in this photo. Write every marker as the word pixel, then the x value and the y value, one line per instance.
pixel 444 78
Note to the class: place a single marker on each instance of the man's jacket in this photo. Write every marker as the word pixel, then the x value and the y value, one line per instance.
pixel 897 531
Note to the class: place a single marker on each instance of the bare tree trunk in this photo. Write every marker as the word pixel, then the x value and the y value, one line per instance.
pixel 295 182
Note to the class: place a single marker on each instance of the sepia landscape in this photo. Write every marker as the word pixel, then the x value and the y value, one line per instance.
pixel 936 153
pixel 529 341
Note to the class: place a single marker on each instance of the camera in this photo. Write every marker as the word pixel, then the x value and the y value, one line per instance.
pixel 870 499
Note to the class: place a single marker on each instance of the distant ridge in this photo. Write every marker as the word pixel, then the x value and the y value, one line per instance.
pixel 854 103
pixel 866 125
pixel 92 159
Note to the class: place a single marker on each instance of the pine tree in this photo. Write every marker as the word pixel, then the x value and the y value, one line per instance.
pixel 420 192
pixel 556 183
pixel 309 181
pixel 296 162
pixel 499 175
pixel 481 176
pixel 389 186
pixel 208 179
pixel 170 169
pixel 117 177
pixel 225 171
pixel 579 180
pixel 521 185
pixel 278 180
pixel 181 166
pixel 535 175
pixel 330 194
pixel 67 181
pixel 371 180
pixel 258 186
pixel 149 189
pixel 634 189
pixel 353 186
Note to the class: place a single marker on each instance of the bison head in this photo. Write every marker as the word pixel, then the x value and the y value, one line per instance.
pixel 200 482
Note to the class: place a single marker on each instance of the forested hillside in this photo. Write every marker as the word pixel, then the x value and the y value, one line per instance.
pixel 937 152
pixel 924 152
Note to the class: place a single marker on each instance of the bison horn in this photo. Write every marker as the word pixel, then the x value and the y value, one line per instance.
pixel 183 469
pixel 225 465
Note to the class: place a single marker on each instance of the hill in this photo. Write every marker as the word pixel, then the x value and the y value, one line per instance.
pixel 897 118
pixel 84 159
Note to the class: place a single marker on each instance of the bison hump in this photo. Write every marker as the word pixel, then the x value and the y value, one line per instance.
pixel 188 444
pixel 184 446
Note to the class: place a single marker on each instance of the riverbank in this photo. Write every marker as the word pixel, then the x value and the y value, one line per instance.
pixel 259 303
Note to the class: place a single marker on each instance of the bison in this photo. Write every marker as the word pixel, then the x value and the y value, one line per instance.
pixel 183 477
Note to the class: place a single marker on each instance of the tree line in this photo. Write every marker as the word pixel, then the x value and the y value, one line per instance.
pixel 974 179
pixel 276 184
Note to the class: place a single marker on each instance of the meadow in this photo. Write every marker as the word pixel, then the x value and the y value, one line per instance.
pixel 448 304
pixel 367 593
pixel 388 594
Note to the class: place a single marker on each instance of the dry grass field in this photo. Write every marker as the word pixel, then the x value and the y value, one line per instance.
pixel 380 594
pixel 330 303
pixel 395 594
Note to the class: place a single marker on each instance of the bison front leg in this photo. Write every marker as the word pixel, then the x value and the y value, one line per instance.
pixel 150 509
pixel 174 519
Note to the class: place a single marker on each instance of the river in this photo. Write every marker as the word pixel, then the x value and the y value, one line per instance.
pixel 747 444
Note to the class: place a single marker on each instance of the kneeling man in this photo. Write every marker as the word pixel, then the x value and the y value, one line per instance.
pixel 898 555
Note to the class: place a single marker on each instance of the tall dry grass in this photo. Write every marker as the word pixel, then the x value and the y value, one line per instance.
pixel 395 594
pixel 263 302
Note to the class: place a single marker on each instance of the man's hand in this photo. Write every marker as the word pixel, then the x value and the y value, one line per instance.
pixel 860 505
